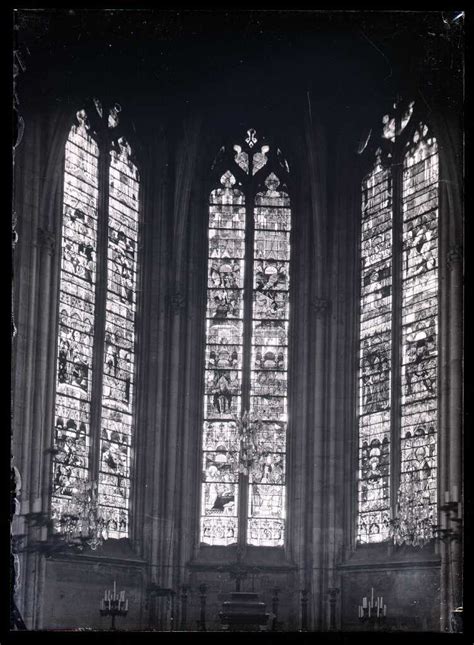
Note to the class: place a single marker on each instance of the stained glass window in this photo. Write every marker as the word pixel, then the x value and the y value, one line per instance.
pixel 96 413
pixel 246 349
pixel 398 333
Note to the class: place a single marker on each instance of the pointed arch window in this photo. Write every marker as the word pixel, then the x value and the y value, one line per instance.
pixel 246 359
pixel 93 433
pixel 397 482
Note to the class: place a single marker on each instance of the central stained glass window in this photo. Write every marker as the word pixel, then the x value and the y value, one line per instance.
pixel 246 358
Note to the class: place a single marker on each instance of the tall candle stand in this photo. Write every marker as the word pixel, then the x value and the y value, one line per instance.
pixel 372 611
pixel 113 604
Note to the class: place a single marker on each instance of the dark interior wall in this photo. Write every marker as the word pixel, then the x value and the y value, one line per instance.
pixel 318 81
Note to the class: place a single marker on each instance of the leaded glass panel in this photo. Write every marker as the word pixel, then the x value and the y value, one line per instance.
pixel 268 380
pixel 223 367
pixel 418 434
pixel 71 436
pixel 119 347
pixel 375 357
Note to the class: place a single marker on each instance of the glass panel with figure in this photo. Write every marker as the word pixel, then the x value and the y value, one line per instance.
pixel 418 435
pixel 269 360
pixel 375 357
pixel 119 348
pixel 70 463
pixel 223 367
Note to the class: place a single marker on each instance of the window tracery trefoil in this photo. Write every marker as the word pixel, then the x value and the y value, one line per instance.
pixel 398 335
pixel 246 360
pixel 92 437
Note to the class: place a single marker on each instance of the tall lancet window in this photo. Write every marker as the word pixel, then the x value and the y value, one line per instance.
pixel 92 439
pixel 397 482
pixel 246 361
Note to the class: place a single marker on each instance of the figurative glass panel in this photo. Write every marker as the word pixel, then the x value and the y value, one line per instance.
pixel 374 357
pixel 70 462
pixel 223 368
pixel 418 435
pixel 119 348
pixel 269 360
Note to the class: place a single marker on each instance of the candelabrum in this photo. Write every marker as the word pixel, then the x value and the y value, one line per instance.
pixel 113 604
pixel 372 610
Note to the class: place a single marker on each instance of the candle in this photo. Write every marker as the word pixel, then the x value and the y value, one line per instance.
pixel 385 610
pixel 381 601
pixel 115 589
pixel 372 601
pixel 364 601
pixel 446 497
pixel 455 493
pixel 126 605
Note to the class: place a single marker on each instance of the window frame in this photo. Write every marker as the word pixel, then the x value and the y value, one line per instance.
pixel 250 186
pixel 106 137
pixel 392 158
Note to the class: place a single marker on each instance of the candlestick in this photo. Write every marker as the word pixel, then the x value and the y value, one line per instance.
pixel 113 605
pixel 372 609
